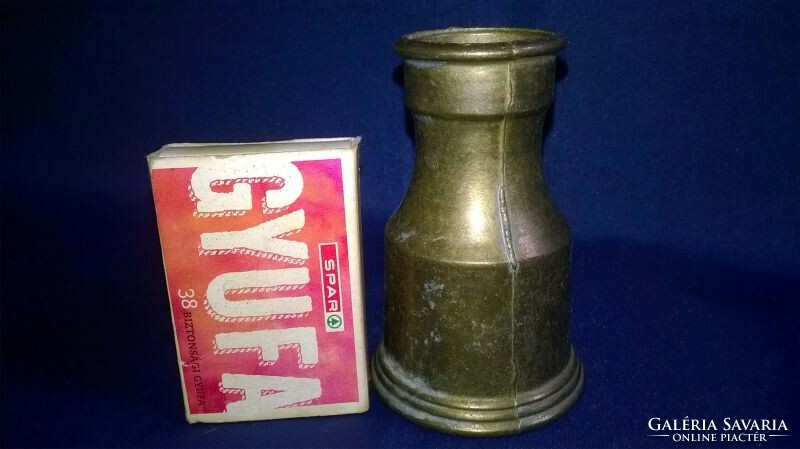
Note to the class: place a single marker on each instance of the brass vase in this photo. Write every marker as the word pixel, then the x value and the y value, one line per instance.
pixel 477 256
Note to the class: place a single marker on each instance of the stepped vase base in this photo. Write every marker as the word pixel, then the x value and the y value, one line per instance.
pixel 448 414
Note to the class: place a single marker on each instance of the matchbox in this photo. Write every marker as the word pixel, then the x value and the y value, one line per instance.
pixel 262 254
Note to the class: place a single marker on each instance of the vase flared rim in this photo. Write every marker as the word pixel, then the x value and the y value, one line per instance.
pixel 479 44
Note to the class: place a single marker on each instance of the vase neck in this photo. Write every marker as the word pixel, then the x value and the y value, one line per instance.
pixel 478 98
pixel 480 154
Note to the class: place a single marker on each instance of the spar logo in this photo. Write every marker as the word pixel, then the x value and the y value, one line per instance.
pixel 331 291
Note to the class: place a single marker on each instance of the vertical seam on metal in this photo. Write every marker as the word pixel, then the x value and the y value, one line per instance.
pixel 506 227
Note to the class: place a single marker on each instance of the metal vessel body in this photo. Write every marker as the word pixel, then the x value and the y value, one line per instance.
pixel 477 256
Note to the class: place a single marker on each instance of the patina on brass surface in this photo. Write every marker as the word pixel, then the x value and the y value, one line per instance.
pixel 477 256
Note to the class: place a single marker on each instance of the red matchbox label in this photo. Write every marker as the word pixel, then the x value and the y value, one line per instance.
pixel 256 253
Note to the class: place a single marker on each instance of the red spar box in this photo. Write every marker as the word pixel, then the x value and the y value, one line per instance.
pixel 261 246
